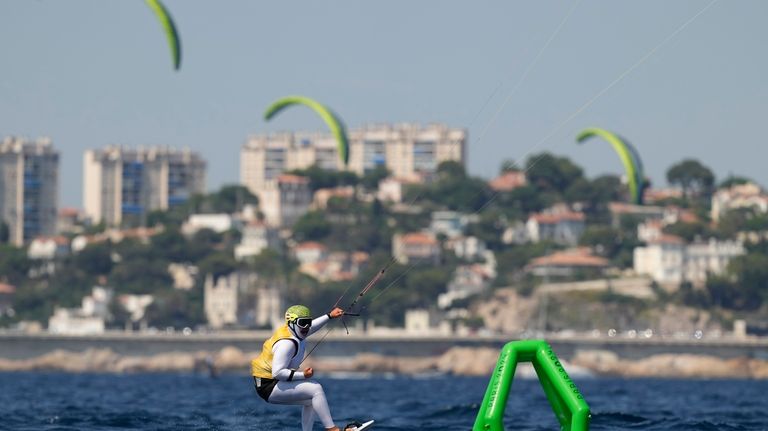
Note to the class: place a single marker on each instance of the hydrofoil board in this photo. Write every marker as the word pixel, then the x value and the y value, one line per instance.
pixel 359 427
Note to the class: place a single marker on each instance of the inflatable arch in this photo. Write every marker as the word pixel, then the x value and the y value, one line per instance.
pixel 567 402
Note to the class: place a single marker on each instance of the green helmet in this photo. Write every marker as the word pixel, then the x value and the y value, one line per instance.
pixel 296 312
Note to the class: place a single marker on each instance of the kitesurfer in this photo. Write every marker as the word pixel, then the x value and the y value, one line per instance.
pixel 275 371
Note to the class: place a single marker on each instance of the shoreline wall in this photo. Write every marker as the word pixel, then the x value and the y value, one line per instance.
pixel 457 361
pixel 17 346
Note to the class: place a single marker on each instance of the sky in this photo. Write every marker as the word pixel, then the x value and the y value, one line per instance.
pixel 679 79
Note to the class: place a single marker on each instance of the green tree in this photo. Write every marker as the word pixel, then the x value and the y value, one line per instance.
pixel 176 309
pixel 745 284
pixel 741 220
pixel 489 229
pixel 751 271
pixel 733 180
pixel 320 178
pixel 509 166
pixel 173 246
pixel 605 240
pixel 218 264
pixel 689 231
pixel 372 178
pixel 601 190
pixel 14 264
pixel 5 233
pixel 454 189
pixel 33 302
pixel 550 173
pixel 522 201
pixel 694 178
pixel 513 260
pixel 270 264
pixel 95 259
pixel 141 276
pixel 231 198
pixel 312 226
pixel 429 283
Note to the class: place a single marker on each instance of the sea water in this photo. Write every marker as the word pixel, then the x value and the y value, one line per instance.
pixel 58 401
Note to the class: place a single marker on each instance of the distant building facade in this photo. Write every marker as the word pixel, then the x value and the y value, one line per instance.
pixel 451 223
pixel 285 199
pixel 218 223
pixel 88 319
pixel 241 299
pixel 747 195
pixel 404 149
pixel 562 227
pixel 124 185
pixel 416 247
pixel 393 189
pixel 220 299
pixel 669 261
pixel 29 188
pixel 257 237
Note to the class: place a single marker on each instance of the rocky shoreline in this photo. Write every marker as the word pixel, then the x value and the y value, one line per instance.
pixel 456 361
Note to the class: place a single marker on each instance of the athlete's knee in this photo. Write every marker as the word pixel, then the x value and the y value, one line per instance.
pixel 316 389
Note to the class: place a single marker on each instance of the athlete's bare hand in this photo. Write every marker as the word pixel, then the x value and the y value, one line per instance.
pixel 308 373
pixel 336 312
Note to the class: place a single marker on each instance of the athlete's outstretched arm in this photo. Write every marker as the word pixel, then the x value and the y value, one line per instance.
pixel 319 322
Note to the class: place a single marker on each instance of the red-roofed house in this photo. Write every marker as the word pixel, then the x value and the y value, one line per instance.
pixel 419 247
pixel 567 263
pixel 508 181
pixel 651 196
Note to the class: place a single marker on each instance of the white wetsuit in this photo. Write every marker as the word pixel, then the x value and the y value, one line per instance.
pixel 292 387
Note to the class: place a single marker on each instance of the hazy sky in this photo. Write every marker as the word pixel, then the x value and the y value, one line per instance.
pixel 92 73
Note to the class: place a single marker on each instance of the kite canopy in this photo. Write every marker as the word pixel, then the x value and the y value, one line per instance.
pixel 331 120
pixel 170 30
pixel 629 157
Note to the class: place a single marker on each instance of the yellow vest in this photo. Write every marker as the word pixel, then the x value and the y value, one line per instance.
pixel 262 365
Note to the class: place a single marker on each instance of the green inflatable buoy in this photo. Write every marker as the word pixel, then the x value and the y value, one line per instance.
pixel 567 402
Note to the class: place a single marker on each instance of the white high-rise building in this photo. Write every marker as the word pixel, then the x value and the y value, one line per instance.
pixel 124 185
pixel 406 150
pixel 29 188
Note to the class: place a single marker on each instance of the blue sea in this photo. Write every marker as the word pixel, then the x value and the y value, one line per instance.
pixel 58 401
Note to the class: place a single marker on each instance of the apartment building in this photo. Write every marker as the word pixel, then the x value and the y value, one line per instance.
pixel 29 188
pixel 285 199
pixel 407 150
pixel 122 185
pixel 669 261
